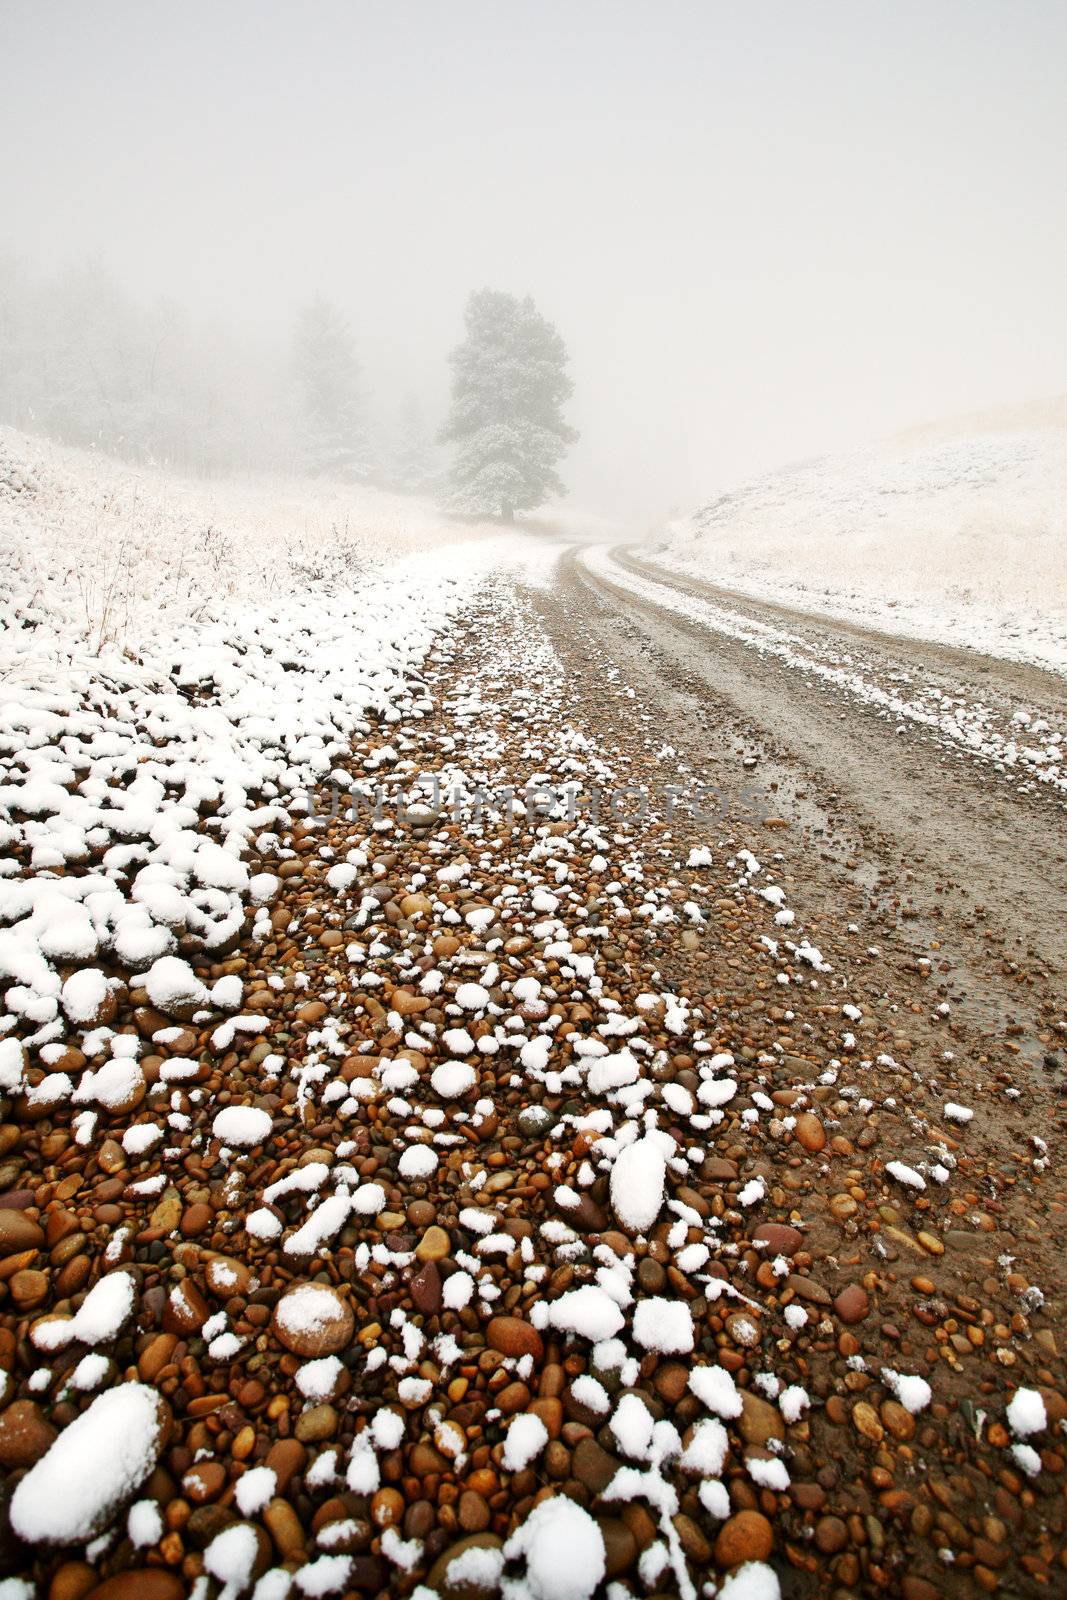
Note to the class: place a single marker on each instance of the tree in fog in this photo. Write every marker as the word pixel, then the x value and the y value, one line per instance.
pixel 85 363
pixel 333 438
pixel 509 383
pixel 414 467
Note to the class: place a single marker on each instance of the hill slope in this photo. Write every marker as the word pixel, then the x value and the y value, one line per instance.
pixel 951 532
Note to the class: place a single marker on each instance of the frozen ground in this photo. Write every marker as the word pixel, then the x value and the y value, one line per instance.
pixel 954 536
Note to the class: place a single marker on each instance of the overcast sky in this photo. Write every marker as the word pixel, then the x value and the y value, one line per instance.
pixel 763 231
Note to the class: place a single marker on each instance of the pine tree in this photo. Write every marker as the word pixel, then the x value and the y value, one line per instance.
pixel 509 382
pixel 415 468
pixel 333 439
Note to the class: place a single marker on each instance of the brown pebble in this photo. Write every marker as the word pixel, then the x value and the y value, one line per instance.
pixel 514 1337
pixel 831 1535
pixel 810 1132
pixel 746 1536
pixel 852 1304
pixel 143 1583
pixel 474 1514
pixel 25 1434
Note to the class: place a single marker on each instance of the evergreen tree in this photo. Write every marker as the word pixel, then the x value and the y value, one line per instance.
pixel 414 458
pixel 324 364
pixel 509 382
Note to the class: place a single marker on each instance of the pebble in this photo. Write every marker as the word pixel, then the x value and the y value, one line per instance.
pixel 25 1434
pixel 809 1132
pixel 746 1536
pixel 852 1304
pixel 426 1289
pixel 434 1245
pixel 514 1337
pixel 778 1239
pixel 19 1232
pixel 593 1467
pixel 759 1421
pixel 140 1583
pixel 329 1334
pixel 865 1421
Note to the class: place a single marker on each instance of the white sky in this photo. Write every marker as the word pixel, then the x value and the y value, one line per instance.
pixel 764 231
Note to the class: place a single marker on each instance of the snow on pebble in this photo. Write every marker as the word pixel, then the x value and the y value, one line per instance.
pixel 525 1439
pixel 173 987
pixel 101 1316
pixel 563 1549
pixel 93 1467
pixel 914 1393
pixel 905 1175
pixel 453 1079
pixel 587 1311
pixel 637 1184
pixel 664 1325
pixel 472 997
pixel 715 1388
pixel 85 996
pixel 244 1126
pixel 231 1556
pixel 754 1580
pixel 1026 1413
pixel 418 1161
pixel 957 1113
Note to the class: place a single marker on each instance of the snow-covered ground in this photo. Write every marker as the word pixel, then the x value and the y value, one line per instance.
pixel 954 535
pixel 106 548
pixel 178 662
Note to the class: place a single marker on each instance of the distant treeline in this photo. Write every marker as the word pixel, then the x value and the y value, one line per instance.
pixel 88 365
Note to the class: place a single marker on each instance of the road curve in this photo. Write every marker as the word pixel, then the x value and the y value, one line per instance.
pixel 952 836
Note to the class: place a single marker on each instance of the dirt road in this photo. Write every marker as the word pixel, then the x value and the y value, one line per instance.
pixel 937 841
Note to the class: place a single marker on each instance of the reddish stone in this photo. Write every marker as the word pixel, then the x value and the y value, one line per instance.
pixel 514 1337
pixel 852 1304
pixel 778 1238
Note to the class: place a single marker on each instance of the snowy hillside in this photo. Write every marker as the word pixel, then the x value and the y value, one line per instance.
pixel 945 534
pixel 116 546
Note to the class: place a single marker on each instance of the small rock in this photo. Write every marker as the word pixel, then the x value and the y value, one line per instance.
pixel 140 1583
pixel 852 1304
pixel 810 1132
pixel 514 1337
pixel 426 1289
pixel 434 1245
pixel 18 1232
pixel 778 1239
pixel 316 1424
pixel 759 1421
pixel 25 1434
pixel 593 1466
pixel 312 1320
pixel 831 1535
pixel 747 1536
pixel 865 1421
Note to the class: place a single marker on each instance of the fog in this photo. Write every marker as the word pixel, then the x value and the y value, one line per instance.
pixel 762 232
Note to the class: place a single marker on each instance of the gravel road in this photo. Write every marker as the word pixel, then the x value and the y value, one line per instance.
pixel 943 842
